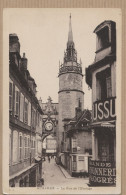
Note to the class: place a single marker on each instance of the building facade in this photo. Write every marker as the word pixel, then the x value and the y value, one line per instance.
pixel 25 121
pixel 70 86
pixel 77 143
pixel 101 77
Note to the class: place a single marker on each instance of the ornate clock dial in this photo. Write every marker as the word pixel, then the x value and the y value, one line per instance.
pixel 48 126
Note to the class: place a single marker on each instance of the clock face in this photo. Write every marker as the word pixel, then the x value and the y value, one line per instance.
pixel 48 126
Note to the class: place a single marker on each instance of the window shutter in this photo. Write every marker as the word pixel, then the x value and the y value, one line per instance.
pixel 28 146
pixel 10 95
pixel 26 111
pixel 25 147
pixel 29 113
pixel 20 146
pixel 16 101
pixel 15 146
pixel 10 146
pixel 21 106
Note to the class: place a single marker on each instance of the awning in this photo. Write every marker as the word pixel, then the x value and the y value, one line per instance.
pixel 71 122
pixel 110 124
pixel 37 159
pixel 61 154
pixel 22 171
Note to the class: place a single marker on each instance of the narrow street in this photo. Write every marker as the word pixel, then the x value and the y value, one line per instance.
pixel 53 176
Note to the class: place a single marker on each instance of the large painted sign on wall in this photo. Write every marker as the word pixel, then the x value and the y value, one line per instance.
pixel 104 110
pixel 102 173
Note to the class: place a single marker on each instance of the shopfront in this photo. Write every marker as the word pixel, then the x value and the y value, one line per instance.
pixel 102 166
pixel 102 173
pixel 101 78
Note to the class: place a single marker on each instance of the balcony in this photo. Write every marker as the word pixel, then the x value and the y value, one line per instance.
pixel 16 121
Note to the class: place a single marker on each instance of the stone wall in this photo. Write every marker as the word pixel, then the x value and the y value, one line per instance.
pixel 70 81
pixel 68 101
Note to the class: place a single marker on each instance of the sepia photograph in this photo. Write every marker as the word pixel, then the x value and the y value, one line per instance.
pixel 62 101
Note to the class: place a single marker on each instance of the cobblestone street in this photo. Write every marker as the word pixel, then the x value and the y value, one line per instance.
pixel 55 176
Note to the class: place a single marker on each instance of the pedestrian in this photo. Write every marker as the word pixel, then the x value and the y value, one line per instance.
pixel 49 159
pixel 42 181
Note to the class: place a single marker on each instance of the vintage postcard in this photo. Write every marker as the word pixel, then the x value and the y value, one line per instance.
pixel 62 101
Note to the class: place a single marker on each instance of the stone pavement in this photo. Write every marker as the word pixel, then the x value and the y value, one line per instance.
pixel 55 175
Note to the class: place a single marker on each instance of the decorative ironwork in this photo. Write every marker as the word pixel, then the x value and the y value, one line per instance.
pixel 64 69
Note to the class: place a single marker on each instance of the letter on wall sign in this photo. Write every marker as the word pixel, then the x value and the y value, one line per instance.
pixel 104 110
pixel 106 115
pixel 100 110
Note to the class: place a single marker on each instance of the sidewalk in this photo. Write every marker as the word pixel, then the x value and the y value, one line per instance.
pixel 65 173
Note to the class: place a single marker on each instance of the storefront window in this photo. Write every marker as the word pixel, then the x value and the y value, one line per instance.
pixel 106 147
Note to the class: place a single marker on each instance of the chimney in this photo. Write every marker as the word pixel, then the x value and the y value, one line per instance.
pixel 24 62
pixel 23 55
pixel 40 102
pixel 78 110
pixel 14 45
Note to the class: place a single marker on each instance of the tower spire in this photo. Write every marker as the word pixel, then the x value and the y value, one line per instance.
pixel 70 34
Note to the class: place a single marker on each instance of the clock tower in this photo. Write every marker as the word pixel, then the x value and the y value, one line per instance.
pixel 70 86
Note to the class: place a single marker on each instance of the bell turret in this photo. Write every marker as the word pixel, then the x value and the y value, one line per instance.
pixel 70 55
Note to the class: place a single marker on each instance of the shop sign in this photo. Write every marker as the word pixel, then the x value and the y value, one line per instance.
pixel 102 173
pixel 104 110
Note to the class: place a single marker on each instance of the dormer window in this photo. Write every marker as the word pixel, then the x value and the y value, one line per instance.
pixel 103 38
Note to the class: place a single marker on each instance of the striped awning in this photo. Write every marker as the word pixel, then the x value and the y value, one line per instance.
pixel 110 124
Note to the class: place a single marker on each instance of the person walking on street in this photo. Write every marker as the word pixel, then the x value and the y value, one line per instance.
pixel 49 159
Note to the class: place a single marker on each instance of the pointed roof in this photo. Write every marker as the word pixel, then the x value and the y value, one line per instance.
pixel 70 34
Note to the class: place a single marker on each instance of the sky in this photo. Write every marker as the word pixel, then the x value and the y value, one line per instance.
pixel 43 35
